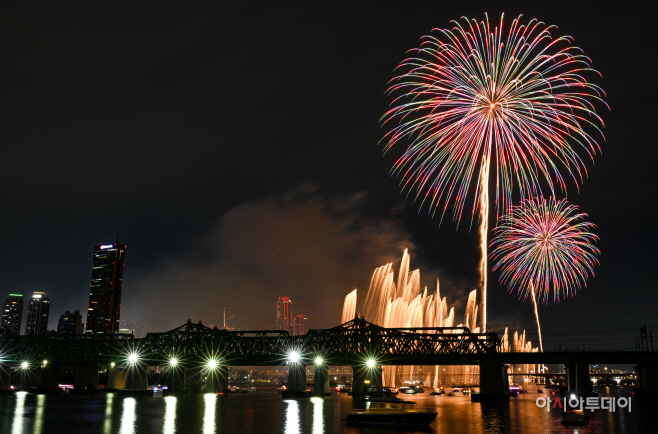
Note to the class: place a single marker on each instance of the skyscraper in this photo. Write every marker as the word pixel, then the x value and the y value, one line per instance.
pixel 284 314
pixel 104 309
pixel 301 324
pixel 70 323
pixel 37 314
pixel 12 314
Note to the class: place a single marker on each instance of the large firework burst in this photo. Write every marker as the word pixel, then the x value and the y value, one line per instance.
pixel 474 96
pixel 542 245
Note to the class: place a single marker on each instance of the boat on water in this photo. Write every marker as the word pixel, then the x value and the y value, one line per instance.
pixel 391 417
pixel 574 417
pixel 376 401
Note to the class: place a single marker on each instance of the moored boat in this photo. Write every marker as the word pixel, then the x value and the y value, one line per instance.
pixel 574 417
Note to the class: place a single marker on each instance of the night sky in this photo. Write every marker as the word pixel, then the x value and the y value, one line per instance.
pixel 234 148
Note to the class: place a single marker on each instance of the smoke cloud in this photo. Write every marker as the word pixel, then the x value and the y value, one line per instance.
pixel 301 245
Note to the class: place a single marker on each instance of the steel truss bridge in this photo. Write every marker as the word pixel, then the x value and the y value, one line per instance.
pixel 347 344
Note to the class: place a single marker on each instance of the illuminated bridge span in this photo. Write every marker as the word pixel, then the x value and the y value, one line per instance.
pixel 346 344
pixel 193 354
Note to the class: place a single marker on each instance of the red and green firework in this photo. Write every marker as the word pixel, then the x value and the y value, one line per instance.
pixel 544 244
pixel 514 99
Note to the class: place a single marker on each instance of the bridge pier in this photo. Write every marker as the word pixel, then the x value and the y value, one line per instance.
pixel 193 378
pixel 296 381
pixel 86 378
pixel 132 378
pixel 217 380
pixel 578 381
pixel 49 378
pixel 364 378
pixel 321 381
pixel 176 379
pixel 647 380
pixel 494 382
pixel 5 377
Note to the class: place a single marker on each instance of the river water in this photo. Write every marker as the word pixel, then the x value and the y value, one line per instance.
pixel 266 412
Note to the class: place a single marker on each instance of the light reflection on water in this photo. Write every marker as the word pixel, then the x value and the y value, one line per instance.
pixel 318 418
pixel 17 426
pixel 292 417
pixel 38 415
pixel 169 426
pixel 128 416
pixel 266 412
pixel 107 423
pixel 209 414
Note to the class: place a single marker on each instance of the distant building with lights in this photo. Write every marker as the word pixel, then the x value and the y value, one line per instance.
pixel 12 313
pixel 301 324
pixel 38 310
pixel 103 313
pixel 70 323
pixel 284 319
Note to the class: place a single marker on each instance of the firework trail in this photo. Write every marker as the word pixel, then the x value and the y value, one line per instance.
pixel 475 103
pixel 542 245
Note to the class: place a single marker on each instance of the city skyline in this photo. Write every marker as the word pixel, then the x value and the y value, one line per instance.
pixel 236 178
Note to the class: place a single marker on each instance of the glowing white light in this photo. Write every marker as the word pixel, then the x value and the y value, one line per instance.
pixel 132 358
pixel 209 426
pixel 173 362
pixel 212 364
pixel 371 363
pixel 24 365
pixel 112 365
pixel 293 357
pixel 45 362
pixel 36 296
pixel 319 361
pixel 107 246
pixel 169 425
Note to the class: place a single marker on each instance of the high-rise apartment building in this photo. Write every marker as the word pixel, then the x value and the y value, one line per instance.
pixel 12 314
pixel 38 310
pixel 301 324
pixel 284 314
pixel 104 309
pixel 70 323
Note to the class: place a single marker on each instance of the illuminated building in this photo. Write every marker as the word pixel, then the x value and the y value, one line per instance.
pixel 104 309
pixel 70 323
pixel 12 314
pixel 38 310
pixel 284 319
pixel 301 325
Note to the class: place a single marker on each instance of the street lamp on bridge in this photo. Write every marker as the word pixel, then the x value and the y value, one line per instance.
pixel 133 358
pixel 293 357
pixel 212 364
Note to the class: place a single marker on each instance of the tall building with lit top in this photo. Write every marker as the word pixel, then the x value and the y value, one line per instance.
pixel 284 320
pixel 12 313
pixel 103 313
pixel 301 324
pixel 38 310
